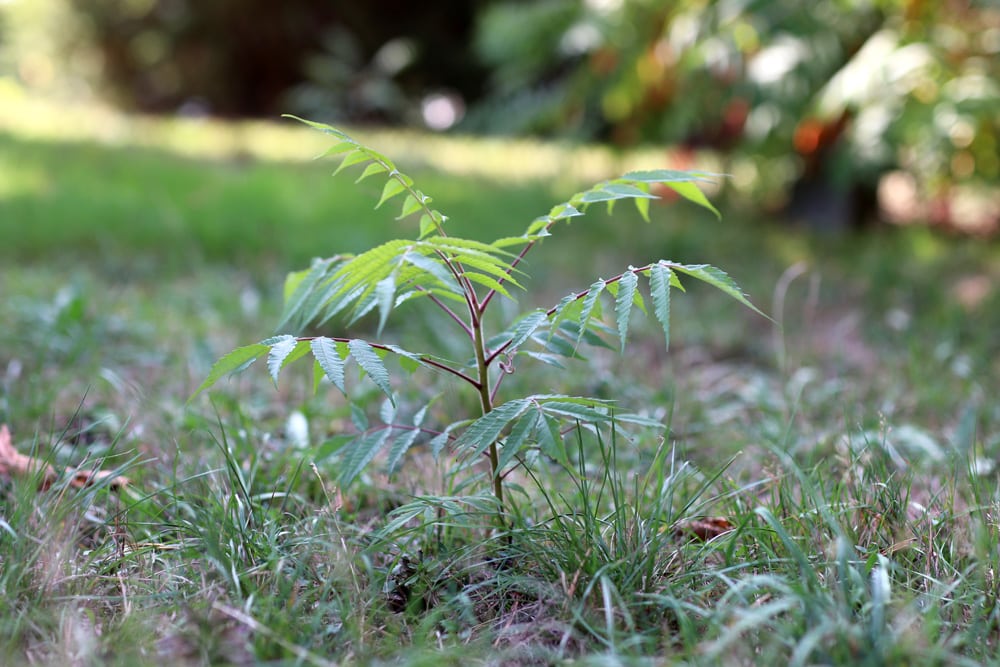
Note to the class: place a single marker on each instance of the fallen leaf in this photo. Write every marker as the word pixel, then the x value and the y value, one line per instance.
pixel 12 462
pixel 703 529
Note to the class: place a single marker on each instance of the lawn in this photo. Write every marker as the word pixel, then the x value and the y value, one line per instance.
pixel 825 490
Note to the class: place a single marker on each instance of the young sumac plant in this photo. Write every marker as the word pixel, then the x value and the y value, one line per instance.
pixel 462 278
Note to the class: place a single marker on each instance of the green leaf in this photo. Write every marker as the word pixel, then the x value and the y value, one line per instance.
pixel 668 176
pixel 421 414
pixel 659 289
pixel 341 147
pixel 526 326
pixel 438 442
pixel 385 292
pixel 435 269
pixel 325 352
pixel 575 411
pixel 293 281
pixel 359 418
pixel 550 440
pixel 408 361
pixel 639 420
pixel 360 453
pixel 276 357
pixel 563 347
pixel 508 241
pixel 490 265
pixel 569 306
pixel 717 278
pixel 589 301
pixel 457 245
pixel 400 445
pixel 514 442
pixel 426 225
pixel 596 195
pixel 370 363
pixel 563 212
pixel 305 293
pixel 371 170
pixel 642 205
pixel 484 431
pixel 322 127
pixel 392 188
pixel 488 283
pixel 236 360
pixel 691 192
pixel 623 303
pixel 410 205
pixel 545 358
pixel 351 159
pixel 387 413
pixel 538 225
pixel 625 190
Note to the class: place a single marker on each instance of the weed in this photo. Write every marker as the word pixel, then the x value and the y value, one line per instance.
pixel 462 278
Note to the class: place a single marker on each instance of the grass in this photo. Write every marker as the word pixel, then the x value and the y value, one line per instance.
pixel 850 453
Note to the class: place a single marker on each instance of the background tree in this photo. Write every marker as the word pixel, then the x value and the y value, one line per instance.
pixel 850 89
pixel 355 61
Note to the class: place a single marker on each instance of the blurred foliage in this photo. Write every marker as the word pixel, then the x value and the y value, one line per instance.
pixel 356 61
pixel 854 88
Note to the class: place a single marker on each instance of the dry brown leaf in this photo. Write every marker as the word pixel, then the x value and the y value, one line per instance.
pixel 703 529
pixel 13 462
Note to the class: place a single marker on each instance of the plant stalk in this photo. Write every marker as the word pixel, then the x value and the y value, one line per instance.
pixel 486 402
